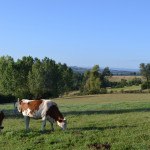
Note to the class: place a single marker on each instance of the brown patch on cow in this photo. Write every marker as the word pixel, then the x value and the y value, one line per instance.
pixel 2 116
pixel 99 146
pixel 54 113
pixel 33 105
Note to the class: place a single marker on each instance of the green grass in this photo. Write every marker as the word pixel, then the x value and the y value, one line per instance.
pixel 122 120
pixel 126 88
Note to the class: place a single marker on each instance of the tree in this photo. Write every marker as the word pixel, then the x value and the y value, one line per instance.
pixel 22 68
pixel 92 84
pixel 65 83
pixel 145 72
pixel 77 80
pixel 7 75
pixel 36 79
pixel 47 79
pixel 94 81
pixel 104 77
pixel 50 88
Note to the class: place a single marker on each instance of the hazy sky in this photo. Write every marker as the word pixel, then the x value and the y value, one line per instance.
pixel 113 33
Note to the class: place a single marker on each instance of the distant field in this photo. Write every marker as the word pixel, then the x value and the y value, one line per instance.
pixel 126 88
pixel 118 78
pixel 122 120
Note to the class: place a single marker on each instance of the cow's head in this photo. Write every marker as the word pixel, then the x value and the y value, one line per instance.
pixel 54 113
pixel 17 106
pixel 2 116
pixel 62 123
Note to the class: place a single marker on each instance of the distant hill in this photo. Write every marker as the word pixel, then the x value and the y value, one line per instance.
pixel 114 71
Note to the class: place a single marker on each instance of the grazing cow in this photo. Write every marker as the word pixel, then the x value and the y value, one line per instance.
pixel 45 109
pixel 1 119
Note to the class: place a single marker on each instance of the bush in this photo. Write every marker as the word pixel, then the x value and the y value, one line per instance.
pixel 145 85
pixel 111 92
pixel 122 91
pixel 103 91
pixel 133 91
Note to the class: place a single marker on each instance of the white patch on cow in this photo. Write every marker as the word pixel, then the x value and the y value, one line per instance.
pixel 26 100
pixel 27 112
pixel 62 124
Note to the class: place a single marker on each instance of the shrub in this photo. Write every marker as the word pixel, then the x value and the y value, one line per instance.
pixel 145 85
pixel 103 91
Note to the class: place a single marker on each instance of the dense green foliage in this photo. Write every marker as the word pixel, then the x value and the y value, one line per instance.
pixel 34 78
pixel 145 72
pixel 145 85
pixel 94 81
pixel 122 120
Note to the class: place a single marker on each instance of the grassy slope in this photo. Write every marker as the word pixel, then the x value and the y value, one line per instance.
pixel 126 88
pixel 119 119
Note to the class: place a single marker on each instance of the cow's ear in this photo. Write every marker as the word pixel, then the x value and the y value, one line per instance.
pixel 65 120
pixel 19 100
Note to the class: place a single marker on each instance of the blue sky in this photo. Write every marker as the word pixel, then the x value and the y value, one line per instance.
pixel 113 33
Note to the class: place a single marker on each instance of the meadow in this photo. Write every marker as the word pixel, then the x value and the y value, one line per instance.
pixel 128 78
pixel 121 120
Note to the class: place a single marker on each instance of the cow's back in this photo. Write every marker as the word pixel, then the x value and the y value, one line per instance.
pixel 44 107
pixel 36 108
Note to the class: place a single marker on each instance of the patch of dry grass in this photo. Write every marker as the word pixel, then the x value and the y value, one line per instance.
pixel 118 78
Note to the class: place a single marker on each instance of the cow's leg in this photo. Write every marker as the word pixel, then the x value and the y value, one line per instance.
pixel 51 122
pixel 43 123
pixel 27 121
pixel 52 127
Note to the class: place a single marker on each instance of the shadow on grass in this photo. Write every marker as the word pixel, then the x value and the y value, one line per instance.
pixel 119 111
pixel 102 128
pixel 11 114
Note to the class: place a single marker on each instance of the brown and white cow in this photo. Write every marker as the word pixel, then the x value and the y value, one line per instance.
pixel 44 109
pixel 2 116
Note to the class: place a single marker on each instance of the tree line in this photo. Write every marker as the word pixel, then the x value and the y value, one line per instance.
pixel 34 78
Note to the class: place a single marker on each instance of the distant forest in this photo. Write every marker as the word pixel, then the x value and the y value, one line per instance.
pixel 34 78
pixel 114 71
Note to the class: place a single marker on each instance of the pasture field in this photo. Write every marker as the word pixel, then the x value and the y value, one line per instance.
pixel 126 88
pixel 128 78
pixel 121 120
